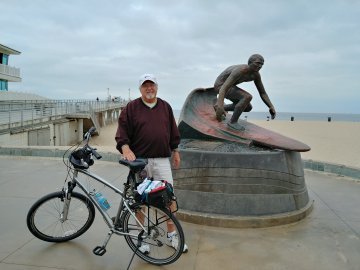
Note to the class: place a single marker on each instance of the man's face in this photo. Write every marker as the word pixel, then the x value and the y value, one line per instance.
pixel 256 65
pixel 148 91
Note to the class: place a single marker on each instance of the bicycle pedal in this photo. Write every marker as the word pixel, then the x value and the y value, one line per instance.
pixel 99 251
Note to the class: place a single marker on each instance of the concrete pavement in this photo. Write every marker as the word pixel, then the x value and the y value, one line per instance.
pixel 328 239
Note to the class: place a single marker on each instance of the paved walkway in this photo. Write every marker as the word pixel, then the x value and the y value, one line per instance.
pixel 328 239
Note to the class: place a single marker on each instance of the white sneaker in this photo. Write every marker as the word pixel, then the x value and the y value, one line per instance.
pixel 144 248
pixel 173 241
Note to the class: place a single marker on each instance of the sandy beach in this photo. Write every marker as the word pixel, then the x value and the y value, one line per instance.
pixel 331 142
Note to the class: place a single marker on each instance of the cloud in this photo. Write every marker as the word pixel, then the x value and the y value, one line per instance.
pixel 80 49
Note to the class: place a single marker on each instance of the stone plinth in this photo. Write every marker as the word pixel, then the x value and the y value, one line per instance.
pixel 227 184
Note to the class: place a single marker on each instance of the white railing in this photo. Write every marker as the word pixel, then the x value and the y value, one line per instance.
pixel 10 71
pixel 17 114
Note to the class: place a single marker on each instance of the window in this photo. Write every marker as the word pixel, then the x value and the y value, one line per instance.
pixel 3 85
pixel 5 59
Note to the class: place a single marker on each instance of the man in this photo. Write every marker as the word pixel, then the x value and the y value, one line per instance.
pixel 225 85
pixel 147 129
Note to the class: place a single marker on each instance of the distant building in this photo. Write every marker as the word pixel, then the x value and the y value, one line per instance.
pixel 7 73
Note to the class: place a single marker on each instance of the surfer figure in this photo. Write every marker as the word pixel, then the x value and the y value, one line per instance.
pixel 226 85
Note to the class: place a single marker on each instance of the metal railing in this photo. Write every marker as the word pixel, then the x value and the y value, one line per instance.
pixel 10 71
pixel 24 114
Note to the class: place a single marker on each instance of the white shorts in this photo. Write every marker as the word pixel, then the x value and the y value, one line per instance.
pixel 159 169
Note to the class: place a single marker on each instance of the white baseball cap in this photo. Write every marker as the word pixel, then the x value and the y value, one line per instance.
pixel 147 77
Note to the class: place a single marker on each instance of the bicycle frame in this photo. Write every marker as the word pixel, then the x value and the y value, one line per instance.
pixel 123 202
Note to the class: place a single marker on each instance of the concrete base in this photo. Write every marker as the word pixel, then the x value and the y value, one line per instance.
pixel 227 221
pixel 255 185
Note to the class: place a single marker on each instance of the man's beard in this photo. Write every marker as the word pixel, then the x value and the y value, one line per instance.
pixel 150 95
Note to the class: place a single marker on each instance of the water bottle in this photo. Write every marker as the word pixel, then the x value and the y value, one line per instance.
pixel 104 204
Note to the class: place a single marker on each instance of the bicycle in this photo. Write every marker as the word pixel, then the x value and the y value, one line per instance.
pixel 65 215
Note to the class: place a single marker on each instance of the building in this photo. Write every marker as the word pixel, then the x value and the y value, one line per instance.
pixel 7 73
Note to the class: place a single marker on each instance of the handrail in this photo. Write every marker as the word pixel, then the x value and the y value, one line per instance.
pixel 18 114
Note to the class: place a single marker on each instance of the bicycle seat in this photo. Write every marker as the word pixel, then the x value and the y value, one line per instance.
pixel 136 165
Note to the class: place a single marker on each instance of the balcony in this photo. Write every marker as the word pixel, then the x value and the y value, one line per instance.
pixel 9 73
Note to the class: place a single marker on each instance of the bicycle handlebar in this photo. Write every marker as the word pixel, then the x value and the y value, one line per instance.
pixel 87 147
pixel 88 134
pixel 95 154
pixel 81 158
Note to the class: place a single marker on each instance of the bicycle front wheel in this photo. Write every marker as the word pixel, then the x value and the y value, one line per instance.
pixel 45 217
pixel 155 220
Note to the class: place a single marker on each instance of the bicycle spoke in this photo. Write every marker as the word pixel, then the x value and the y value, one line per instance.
pixel 44 217
pixel 155 236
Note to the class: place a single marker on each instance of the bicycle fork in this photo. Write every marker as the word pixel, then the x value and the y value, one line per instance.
pixel 67 199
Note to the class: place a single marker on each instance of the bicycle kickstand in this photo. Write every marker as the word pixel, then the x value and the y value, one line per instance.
pixel 137 248
pixel 101 250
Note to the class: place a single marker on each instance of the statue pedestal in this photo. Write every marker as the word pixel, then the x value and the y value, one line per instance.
pixel 247 187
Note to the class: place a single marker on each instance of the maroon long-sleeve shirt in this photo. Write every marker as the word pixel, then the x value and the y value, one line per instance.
pixel 150 132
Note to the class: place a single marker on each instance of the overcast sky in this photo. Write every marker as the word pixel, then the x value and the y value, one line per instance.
pixel 80 48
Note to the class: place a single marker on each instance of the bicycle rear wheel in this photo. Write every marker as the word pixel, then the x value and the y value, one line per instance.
pixel 155 223
pixel 44 217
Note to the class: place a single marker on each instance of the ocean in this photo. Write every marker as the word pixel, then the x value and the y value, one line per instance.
pixel 341 117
